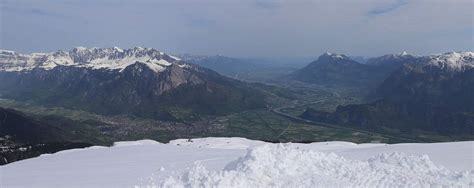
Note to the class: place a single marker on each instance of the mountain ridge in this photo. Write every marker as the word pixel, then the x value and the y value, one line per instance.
pixel 95 58
pixel 139 81
pixel 433 93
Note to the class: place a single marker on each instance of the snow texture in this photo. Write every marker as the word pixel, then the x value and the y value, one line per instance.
pixel 239 162
pixel 285 165
pixel 453 61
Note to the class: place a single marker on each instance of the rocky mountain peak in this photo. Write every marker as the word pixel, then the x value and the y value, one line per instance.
pixel 454 61
pixel 393 59
pixel 333 56
pixel 404 53
pixel 6 52
pixel 95 58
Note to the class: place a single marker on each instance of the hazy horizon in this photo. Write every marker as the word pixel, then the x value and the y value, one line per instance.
pixel 244 29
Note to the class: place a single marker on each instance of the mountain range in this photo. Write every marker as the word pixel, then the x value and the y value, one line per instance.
pixel 431 93
pixel 247 69
pixel 409 92
pixel 333 69
pixel 173 96
pixel 139 81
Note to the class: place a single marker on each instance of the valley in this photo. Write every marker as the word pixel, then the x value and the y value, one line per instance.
pixel 236 94
pixel 87 101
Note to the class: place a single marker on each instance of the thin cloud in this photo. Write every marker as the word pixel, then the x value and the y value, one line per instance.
pixel 386 9
pixel 241 28
pixel 32 11
pixel 39 12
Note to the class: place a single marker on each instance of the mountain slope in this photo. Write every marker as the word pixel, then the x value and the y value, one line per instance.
pixel 24 129
pixel 23 136
pixel 139 81
pixel 339 70
pixel 387 64
pixel 446 80
pixel 433 95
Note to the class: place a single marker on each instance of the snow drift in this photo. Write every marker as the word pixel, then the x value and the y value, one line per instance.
pixel 239 162
pixel 289 166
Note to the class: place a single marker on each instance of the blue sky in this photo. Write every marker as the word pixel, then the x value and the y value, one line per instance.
pixel 240 28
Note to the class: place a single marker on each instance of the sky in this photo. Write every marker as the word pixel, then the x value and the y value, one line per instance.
pixel 241 28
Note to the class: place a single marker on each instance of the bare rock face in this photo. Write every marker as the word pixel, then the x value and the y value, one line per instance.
pixel 174 76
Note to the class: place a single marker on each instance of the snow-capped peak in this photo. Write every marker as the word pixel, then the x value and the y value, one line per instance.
pixel 453 60
pixel 403 54
pixel 334 55
pixel 113 58
pixel 6 52
pixel 80 48
pixel 118 49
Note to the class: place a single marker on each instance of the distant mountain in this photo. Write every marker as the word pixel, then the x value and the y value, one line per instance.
pixel 434 94
pixel 360 59
pixel 391 62
pixel 140 81
pixel 337 69
pixel 232 67
pixel 438 76
pixel 248 69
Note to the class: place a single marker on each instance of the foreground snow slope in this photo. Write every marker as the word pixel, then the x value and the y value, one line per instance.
pixel 238 162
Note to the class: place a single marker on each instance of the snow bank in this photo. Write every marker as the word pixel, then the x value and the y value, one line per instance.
pixel 287 165
pixel 239 162
pixel 135 143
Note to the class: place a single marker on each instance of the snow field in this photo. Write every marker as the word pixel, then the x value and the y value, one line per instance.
pixel 239 162
pixel 286 165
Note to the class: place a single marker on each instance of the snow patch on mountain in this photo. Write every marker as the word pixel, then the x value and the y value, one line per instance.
pixel 456 61
pixel 118 49
pixel 393 59
pixel 114 58
pixel 334 56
